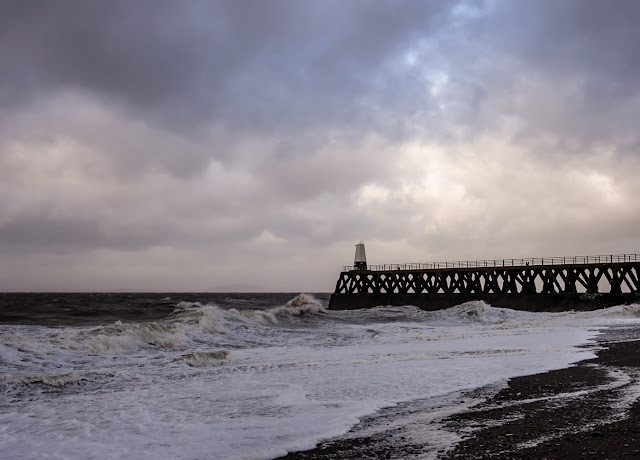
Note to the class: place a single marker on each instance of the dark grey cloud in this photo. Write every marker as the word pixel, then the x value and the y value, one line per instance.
pixel 580 37
pixel 57 235
pixel 568 68
pixel 259 64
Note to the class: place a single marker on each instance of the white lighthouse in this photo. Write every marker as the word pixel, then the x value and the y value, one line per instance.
pixel 360 260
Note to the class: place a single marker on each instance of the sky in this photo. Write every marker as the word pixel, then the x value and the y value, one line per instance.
pixel 156 145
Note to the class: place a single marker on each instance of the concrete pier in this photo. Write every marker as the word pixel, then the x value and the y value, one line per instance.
pixel 538 284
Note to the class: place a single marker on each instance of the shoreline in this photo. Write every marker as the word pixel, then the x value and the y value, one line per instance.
pixel 590 409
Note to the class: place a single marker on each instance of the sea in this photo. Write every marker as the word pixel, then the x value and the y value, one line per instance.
pixel 253 376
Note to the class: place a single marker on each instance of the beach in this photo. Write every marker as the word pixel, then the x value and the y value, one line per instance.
pixel 588 410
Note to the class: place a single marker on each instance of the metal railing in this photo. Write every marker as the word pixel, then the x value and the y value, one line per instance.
pixel 534 261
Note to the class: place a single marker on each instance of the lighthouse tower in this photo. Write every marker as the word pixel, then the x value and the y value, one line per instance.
pixel 360 260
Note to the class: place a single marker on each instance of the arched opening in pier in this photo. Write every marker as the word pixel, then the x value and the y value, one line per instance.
pixel 628 284
pixel 410 281
pixel 604 285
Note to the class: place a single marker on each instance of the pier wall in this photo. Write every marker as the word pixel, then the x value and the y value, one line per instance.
pixel 556 287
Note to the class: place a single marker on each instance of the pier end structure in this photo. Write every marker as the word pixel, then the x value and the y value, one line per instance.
pixel 360 259
pixel 536 284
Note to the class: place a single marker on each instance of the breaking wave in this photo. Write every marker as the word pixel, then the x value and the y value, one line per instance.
pixel 192 325
pixel 16 387
pixel 204 359
pixel 188 321
pixel 301 305
pixel 474 311
pixel 70 378
pixel 623 311
pixel 175 332
pixel 505 318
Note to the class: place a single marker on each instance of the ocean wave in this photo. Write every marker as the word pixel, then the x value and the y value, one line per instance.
pixel 300 305
pixel 186 305
pixel 70 378
pixel 176 332
pixel 193 325
pixel 618 312
pixel 188 321
pixel 204 359
pixel 506 318
pixel 481 313
pixel 23 387
pixel 623 311
pixel 475 311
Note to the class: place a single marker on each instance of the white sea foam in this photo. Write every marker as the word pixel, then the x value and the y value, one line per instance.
pixel 203 359
pixel 213 383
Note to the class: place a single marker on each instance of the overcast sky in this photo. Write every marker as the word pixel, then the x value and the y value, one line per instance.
pixel 248 145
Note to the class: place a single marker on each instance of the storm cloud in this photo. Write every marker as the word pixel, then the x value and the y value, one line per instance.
pixel 159 145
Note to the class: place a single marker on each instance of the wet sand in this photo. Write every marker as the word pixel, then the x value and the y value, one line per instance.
pixel 589 410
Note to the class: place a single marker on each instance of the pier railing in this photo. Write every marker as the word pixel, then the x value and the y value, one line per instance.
pixel 534 261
